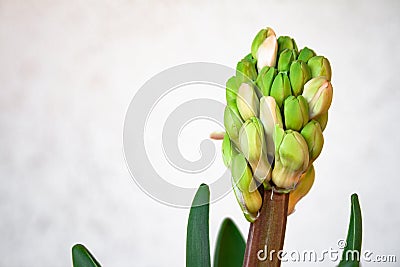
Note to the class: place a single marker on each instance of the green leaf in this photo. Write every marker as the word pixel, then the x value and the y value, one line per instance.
pixel 197 239
pixel 81 257
pixel 354 236
pixel 229 251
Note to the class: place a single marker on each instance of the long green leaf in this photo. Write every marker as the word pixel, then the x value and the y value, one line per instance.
pixel 81 257
pixel 354 236
pixel 229 251
pixel 197 239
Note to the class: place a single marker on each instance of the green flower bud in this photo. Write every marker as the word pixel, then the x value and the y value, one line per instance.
pixel 291 158
pixel 253 147
pixel 303 187
pixel 295 112
pixel 247 101
pixel 286 42
pixel 241 174
pixel 264 48
pixel 318 92
pixel 265 79
pixel 232 86
pixel 270 116
pixel 233 122
pixel 280 88
pixel 285 59
pixel 250 203
pixel 299 74
pixel 305 54
pixel 246 70
pixel 253 201
pixel 322 120
pixel 320 66
pixel 312 133
pixel 246 192
pixel 228 151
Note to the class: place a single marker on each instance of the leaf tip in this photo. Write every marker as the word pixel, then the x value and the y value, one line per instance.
pixel 202 196
pixel 354 197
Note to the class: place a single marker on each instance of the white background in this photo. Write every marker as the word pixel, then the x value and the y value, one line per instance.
pixel 68 71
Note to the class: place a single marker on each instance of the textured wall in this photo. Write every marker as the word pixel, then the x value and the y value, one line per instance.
pixel 68 70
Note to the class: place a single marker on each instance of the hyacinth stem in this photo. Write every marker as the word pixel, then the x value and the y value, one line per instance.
pixel 267 233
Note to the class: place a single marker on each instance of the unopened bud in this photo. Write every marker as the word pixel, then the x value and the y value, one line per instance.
pixel 312 133
pixel 265 48
pixel 318 93
pixel 285 59
pixel 246 193
pixel 232 122
pixel 305 54
pixel 299 74
pixel 246 70
pixel 295 110
pixel 291 158
pixel 320 66
pixel 270 116
pixel 280 88
pixel 286 42
pixel 265 79
pixel 247 101
pixel 303 187
pixel 253 146
pixel 228 151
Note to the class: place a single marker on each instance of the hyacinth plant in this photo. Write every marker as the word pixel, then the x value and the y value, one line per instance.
pixel 277 110
pixel 276 113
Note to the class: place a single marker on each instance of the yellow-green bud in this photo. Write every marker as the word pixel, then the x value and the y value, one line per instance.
pixel 246 192
pixel 241 173
pixel 286 42
pixel 264 48
pixel 253 201
pixel 280 88
pixel 322 120
pixel 246 70
pixel 318 92
pixel 303 187
pixel 228 151
pixel 305 54
pixel 265 79
pixel 312 133
pixel 299 74
pixel 320 66
pixel 232 86
pixel 291 158
pixel 270 116
pixel 295 110
pixel 253 146
pixel 233 122
pixel 247 101
pixel 249 203
pixel 285 59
